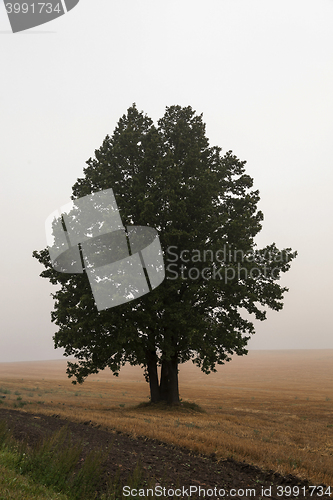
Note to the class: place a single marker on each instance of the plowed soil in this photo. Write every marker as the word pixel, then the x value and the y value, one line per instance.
pixel 165 465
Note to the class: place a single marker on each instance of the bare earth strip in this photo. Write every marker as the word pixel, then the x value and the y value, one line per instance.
pixel 273 409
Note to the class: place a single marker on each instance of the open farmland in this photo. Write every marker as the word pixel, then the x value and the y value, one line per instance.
pixel 273 409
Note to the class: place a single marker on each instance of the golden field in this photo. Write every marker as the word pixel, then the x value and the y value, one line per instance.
pixel 273 409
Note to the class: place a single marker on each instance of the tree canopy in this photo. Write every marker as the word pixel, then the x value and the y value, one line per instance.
pixel 204 207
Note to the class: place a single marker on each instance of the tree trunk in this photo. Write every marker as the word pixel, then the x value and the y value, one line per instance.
pixel 153 376
pixel 173 390
pixel 164 382
pixel 167 389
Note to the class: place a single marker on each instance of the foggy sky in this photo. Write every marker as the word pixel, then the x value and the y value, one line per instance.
pixel 261 72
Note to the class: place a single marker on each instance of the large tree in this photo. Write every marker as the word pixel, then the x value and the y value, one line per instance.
pixel 205 211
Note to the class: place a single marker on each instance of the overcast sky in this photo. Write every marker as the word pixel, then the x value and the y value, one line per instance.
pixel 260 71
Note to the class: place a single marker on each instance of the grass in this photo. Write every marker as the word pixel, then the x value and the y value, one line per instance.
pixel 55 469
pixel 14 486
pixel 277 418
pixel 4 391
pixel 54 463
pixel 184 407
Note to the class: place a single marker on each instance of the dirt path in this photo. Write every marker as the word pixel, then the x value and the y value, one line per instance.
pixel 171 467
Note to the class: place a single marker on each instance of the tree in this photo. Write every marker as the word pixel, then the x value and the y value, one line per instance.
pixel 205 211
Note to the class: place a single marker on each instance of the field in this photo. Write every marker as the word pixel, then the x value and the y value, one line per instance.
pixel 273 409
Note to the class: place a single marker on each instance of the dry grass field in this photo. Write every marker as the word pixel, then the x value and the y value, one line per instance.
pixel 269 408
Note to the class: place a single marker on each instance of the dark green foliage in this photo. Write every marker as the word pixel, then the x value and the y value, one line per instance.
pixel 170 178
